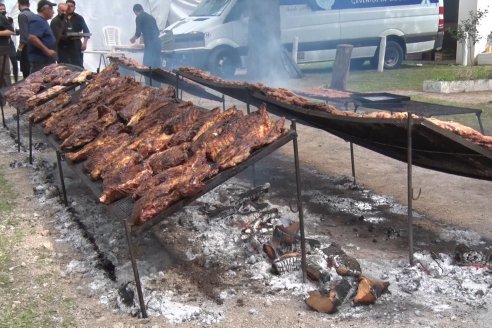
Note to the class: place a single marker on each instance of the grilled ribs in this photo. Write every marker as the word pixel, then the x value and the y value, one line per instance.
pixel 113 135
pixel 181 181
pixel 87 130
pixel 44 111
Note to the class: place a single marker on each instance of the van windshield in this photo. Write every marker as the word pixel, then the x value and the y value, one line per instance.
pixel 210 8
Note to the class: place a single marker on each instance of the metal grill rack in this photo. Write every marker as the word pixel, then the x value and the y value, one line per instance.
pixel 414 141
pixel 121 209
pixel 22 109
pixel 170 78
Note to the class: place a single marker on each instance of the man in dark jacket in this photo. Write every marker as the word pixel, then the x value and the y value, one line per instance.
pixel 23 18
pixel 70 48
pixel 42 43
pixel 147 27
pixel 6 30
pixel 58 25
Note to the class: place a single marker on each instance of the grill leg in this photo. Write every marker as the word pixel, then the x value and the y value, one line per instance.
pixel 62 181
pixel 135 270
pixel 3 114
pixel 299 205
pixel 30 142
pixel 410 188
pixel 480 123
pixel 18 130
pixel 352 161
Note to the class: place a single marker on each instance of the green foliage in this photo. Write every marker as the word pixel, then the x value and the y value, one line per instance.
pixel 467 30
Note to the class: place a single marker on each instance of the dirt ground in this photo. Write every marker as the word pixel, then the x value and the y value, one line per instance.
pixel 446 202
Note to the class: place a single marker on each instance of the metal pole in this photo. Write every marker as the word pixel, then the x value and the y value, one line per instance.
pixel 480 123
pixel 62 181
pixel 410 188
pixel 177 85
pixel 135 270
pixel 382 53
pixel 3 115
pixel 30 142
pixel 352 161
pixel 295 49
pixel 223 103
pixel 299 204
pixel 18 130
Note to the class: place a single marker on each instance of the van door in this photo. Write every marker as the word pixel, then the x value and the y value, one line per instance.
pixel 316 25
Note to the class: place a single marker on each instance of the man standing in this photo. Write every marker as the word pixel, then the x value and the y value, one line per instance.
pixel 24 17
pixel 42 42
pixel 70 47
pixel 6 30
pixel 58 26
pixel 147 27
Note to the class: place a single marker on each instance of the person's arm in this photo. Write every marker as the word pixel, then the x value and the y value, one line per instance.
pixel 138 30
pixel 23 29
pixel 35 41
pixel 7 33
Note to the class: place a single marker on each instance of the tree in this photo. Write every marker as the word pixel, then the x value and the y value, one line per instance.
pixel 467 30
pixel 265 48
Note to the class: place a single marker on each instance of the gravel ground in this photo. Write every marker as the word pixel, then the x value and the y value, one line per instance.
pixel 198 271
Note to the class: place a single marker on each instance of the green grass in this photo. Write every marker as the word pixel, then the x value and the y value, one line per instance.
pixel 409 77
pixel 35 308
pixel 6 204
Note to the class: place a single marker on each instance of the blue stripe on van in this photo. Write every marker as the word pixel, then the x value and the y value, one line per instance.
pixel 350 4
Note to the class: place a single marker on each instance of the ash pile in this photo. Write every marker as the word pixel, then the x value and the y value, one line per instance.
pixel 271 234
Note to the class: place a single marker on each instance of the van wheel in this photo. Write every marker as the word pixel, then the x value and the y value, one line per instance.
pixel 223 62
pixel 392 58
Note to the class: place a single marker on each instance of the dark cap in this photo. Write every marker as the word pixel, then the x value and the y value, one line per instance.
pixel 44 3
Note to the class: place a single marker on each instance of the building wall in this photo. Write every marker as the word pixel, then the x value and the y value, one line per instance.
pixel 485 28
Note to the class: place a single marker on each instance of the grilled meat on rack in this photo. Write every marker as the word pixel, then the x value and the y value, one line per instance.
pixel 465 132
pixel 112 135
pixel 207 76
pixel 173 186
pixel 87 130
pixel 45 95
pixel 42 112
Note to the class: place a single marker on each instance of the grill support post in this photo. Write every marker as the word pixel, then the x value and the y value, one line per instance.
pixel 3 114
pixel 410 187
pixel 352 161
pixel 136 275
pixel 18 130
pixel 30 142
pixel 299 203
pixel 62 181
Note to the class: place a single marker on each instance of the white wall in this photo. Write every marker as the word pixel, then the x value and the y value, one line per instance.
pixel 485 28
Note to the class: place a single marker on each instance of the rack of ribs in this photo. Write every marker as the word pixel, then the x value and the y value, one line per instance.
pixel 44 111
pixel 171 185
pixel 112 135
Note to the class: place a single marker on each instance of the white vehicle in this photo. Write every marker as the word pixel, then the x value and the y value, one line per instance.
pixel 215 35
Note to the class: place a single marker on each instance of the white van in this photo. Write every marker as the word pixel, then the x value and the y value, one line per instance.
pixel 215 35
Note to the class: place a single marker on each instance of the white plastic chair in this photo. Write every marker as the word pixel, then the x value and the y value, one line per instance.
pixel 112 36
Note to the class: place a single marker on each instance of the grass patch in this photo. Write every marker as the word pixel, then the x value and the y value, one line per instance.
pixel 6 205
pixel 409 77
pixel 6 195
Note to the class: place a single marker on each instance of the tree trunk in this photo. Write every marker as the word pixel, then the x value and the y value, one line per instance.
pixel 264 54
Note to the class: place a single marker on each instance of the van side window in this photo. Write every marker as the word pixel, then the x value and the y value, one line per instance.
pixel 239 11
